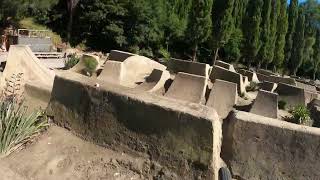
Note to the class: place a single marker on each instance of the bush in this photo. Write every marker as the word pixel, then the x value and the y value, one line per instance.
pixel 301 115
pixel 71 61
pixel 252 87
pixel 282 104
pixel 165 54
pixel 90 63
pixel 16 126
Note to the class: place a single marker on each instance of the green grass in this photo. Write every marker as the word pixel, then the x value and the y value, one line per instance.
pixel 29 23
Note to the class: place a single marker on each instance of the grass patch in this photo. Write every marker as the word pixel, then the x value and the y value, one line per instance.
pixel 90 63
pixel 29 23
pixel 71 61
pixel 300 115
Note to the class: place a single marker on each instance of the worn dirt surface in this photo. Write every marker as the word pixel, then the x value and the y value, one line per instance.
pixel 57 154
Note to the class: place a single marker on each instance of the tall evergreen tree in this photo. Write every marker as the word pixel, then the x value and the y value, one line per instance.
pixel 282 28
pixel 265 32
pixel 292 18
pixel 252 30
pixel 200 24
pixel 223 24
pixel 275 12
pixel 316 55
pixel 298 45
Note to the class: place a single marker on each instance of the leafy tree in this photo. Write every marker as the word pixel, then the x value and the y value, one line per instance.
pixel 200 24
pixel 298 46
pixel 252 30
pixel 223 24
pixel 282 28
pixel 292 18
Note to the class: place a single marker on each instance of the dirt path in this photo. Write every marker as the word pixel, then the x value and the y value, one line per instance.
pixel 58 154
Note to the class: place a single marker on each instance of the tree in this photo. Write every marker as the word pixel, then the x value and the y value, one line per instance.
pixel 200 24
pixel 223 24
pixel 282 28
pixel 316 55
pixel 71 4
pixel 265 32
pixel 252 30
pixel 275 12
pixel 298 45
pixel 292 18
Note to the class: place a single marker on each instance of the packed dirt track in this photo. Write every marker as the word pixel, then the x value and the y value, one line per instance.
pixel 59 155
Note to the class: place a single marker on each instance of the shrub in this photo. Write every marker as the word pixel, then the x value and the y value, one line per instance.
pixel 71 61
pixel 165 54
pixel 301 115
pixel 90 63
pixel 252 87
pixel 16 126
pixel 282 104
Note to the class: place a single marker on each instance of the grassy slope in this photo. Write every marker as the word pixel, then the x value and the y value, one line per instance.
pixel 29 23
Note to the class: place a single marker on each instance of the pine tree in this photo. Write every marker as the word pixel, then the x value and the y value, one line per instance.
pixel 200 24
pixel 275 12
pixel 298 46
pixel 223 24
pixel 252 30
pixel 316 55
pixel 292 18
pixel 282 28
pixel 265 32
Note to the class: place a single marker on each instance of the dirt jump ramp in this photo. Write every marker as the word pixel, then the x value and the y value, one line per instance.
pixel 223 97
pixel 225 65
pixel 252 76
pixel 268 86
pixel 155 82
pixel 22 60
pixel 256 147
pixel 292 95
pixel 266 104
pixel 131 72
pixel 116 55
pixel 226 75
pixel 80 67
pixel 178 65
pixel 36 96
pixel 188 87
pixel 169 132
pixel 112 72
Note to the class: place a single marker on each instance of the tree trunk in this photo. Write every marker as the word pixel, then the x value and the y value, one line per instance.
pixel 216 54
pixel 71 6
pixel 266 66
pixel 314 75
pixel 259 65
pixel 194 55
pixel 274 68
pixel 70 22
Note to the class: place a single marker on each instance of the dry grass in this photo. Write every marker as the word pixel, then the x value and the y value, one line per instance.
pixel 29 23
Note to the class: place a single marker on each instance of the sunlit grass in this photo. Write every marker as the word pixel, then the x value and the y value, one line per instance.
pixel 29 23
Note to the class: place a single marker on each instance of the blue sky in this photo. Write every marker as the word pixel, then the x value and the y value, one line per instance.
pixel 299 1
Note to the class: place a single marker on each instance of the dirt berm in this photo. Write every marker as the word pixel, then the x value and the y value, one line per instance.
pixel 183 136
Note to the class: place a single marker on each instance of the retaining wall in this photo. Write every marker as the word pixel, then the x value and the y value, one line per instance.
pixel 183 136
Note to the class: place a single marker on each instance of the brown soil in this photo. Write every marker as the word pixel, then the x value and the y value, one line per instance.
pixel 57 154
